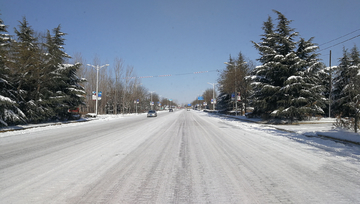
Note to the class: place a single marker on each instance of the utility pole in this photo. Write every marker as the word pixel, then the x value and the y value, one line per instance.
pixel 97 67
pixel 213 84
pixel 330 85
pixel 136 94
pixel 151 102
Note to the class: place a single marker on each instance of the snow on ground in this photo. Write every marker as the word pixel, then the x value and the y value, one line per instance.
pixel 321 135
pixel 180 157
pixel 321 128
pixel 12 130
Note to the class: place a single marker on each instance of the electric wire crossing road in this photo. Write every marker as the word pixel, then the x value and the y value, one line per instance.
pixel 169 75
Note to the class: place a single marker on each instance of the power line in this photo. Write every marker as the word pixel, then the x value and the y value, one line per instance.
pixel 339 37
pixel 169 75
pixel 339 43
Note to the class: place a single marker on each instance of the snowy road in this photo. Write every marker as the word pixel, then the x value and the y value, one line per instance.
pixel 180 157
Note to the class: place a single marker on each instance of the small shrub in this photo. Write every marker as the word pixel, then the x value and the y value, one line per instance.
pixel 347 123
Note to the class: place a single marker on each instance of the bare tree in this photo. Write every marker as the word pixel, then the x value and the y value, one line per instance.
pixel 127 83
pixel 141 95
pixel 118 72
pixel 208 95
pixel 105 82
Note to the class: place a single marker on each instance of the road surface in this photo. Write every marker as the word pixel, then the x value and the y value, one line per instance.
pixel 179 157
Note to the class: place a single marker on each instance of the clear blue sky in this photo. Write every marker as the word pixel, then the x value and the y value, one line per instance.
pixel 162 37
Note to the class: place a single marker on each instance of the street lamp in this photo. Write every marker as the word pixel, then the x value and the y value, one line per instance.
pixel 136 94
pixel 213 84
pixel 151 102
pixel 97 67
pixel 235 66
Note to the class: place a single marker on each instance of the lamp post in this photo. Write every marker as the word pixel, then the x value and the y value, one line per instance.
pixel 136 94
pixel 97 67
pixel 151 102
pixel 330 85
pixel 213 84
pixel 235 66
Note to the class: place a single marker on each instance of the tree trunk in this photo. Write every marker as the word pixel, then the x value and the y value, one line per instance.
pixel 356 122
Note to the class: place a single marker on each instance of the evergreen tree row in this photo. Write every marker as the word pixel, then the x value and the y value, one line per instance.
pixel 36 83
pixel 346 92
pixel 291 82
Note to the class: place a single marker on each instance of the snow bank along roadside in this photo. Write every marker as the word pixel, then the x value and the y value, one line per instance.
pixel 322 128
pixel 100 117
pixel 28 126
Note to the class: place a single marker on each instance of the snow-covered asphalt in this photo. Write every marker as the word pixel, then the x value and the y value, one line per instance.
pixel 178 157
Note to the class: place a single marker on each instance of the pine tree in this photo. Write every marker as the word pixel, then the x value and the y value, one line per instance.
pixel 233 78
pixel 286 85
pixel 223 102
pixel 26 71
pixel 355 100
pixel 242 83
pixel 347 83
pixel 66 93
pixel 268 78
pixel 227 83
pixel 303 90
pixel 226 79
pixel 9 111
pixel 262 87
pixel 353 88
pixel 53 83
pixel 70 89
pixel 341 80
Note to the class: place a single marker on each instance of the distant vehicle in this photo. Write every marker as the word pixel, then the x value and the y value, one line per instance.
pixel 171 110
pixel 152 113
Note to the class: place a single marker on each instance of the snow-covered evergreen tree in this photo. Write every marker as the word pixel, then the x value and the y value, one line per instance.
pixel 52 76
pixel 36 83
pixel 264 87
pixel 341 80
pixel 303 90
pixel 67 93
pixel 223 102
pixel 354 88
pixel 346 86
pixel 324 75
pixel 9 111
pixel 286 84
pixel 75 90
pixel 26 66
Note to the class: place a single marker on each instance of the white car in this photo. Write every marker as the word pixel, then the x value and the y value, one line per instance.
pixel 152 113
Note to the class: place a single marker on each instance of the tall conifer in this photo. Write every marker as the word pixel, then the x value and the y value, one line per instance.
pixel 346 86
pixel 26 72
pixel 9 111
pixel 67 91
pixel 286 84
